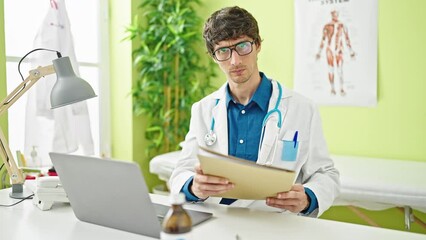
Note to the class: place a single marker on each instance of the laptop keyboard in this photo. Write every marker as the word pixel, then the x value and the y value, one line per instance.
pixel 196 216
pixel 161 211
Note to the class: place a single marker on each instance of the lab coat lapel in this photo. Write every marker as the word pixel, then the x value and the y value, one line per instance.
pixel 271 130
pixel 221 123
pixel 269 139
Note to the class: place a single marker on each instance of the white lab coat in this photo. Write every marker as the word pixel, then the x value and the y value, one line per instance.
pixel 63 129
pixel 315 169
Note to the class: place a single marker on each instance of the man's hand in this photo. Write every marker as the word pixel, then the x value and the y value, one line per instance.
pixel 294 200
pixel 204 186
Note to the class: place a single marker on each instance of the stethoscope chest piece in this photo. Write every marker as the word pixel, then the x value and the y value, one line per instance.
pixel 210 138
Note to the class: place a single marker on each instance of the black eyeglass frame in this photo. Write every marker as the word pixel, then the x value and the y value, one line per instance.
pixel 233 48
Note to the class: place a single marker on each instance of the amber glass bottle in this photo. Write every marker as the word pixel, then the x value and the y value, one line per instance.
pixel 177 223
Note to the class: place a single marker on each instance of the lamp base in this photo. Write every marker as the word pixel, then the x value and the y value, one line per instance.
pixel 19 192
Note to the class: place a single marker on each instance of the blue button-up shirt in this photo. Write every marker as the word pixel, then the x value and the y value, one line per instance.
pixel 245 121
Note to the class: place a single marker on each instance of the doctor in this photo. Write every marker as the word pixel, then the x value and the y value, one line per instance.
pixel 255 118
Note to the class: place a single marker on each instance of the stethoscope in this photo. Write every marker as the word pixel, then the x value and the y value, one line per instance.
pixel 210 138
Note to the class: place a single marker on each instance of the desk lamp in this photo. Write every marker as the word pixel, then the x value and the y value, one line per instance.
pixel 67 89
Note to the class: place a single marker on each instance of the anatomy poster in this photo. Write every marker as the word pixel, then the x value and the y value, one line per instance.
pixel 336 51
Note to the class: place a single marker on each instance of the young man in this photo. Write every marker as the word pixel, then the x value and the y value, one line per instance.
pixel 247 118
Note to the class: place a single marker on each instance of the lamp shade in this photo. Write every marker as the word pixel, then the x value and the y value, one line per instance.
pixel 68 88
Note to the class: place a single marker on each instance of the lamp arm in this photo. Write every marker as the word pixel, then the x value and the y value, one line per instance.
pixel 33 77
pixel 5 154
pixel 14 172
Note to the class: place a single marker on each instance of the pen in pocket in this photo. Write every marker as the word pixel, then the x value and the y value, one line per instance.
pixel 295 138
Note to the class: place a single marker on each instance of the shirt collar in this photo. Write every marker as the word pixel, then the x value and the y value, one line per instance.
pixel 260 97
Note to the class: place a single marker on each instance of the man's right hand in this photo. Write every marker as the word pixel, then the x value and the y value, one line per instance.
pixel 204 186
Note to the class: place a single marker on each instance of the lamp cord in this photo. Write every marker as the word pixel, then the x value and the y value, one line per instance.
pixel 37 49
pixel 19 68
pixel 3 177
pixel 3 149
pixel 13 204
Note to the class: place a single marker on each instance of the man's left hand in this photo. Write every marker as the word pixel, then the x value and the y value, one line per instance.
pixel 294 200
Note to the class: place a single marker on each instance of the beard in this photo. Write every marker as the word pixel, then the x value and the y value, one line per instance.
pixel 239 74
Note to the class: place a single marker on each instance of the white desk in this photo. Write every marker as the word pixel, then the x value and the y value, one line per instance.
pixel 25 221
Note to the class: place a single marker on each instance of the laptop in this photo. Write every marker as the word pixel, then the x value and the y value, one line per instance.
pixel 113 194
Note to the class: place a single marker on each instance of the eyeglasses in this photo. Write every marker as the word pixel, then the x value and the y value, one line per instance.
pixel 225 53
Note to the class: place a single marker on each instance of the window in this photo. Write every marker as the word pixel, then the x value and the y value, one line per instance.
pixel 89 26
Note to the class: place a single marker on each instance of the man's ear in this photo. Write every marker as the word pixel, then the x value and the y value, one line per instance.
pixel 258 46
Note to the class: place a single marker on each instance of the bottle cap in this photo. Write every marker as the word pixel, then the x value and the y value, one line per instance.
pixel 177 198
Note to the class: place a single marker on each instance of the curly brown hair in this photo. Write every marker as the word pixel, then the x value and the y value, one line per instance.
pixel 230 23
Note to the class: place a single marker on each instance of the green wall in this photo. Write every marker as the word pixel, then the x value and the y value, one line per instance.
pixel 3 118
pixel 396 127
pixel 128 131
pixel 121 81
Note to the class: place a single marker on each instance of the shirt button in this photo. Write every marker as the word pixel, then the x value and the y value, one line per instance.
pixel 243 111
pixel 241 141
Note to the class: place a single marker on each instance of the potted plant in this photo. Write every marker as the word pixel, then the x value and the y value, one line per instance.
pixel 171 76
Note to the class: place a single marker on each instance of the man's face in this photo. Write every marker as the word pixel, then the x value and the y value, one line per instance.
pixel 238 69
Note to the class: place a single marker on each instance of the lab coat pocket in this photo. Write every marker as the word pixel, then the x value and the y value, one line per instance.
pixel 290 150
pixel 286 151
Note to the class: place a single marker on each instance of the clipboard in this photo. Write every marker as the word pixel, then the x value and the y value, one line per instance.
pixel 252 181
